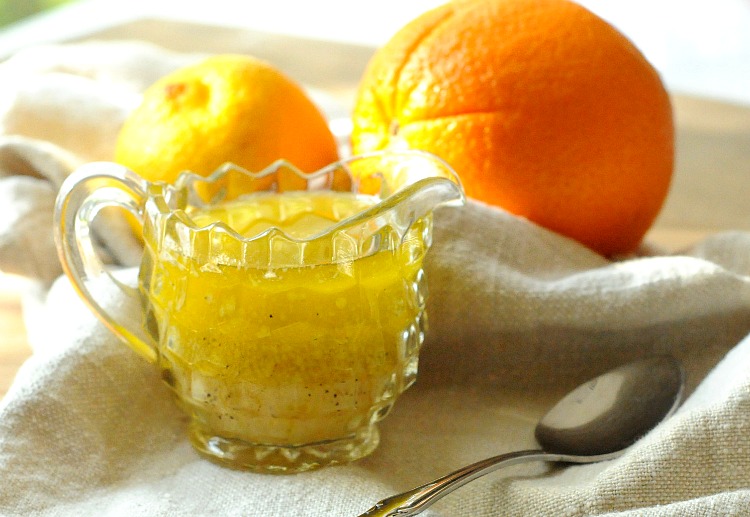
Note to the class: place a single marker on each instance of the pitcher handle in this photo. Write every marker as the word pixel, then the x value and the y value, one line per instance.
pixel 82 195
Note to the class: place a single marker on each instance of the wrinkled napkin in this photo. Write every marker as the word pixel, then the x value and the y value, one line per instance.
pixel 518 316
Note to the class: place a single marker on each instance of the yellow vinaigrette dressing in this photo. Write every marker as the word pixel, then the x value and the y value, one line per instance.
pixel 288 348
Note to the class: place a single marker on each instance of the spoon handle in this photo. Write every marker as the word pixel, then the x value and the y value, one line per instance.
pixel 418 499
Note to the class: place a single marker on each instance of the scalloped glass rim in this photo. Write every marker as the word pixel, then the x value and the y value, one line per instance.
pixel 419 194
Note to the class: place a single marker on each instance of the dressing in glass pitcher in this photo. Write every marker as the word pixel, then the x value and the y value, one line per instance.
pixel 286 320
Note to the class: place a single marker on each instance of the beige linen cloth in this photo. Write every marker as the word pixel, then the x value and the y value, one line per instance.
pixel 518 316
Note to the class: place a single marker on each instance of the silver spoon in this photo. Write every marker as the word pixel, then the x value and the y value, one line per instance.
pixel 596 421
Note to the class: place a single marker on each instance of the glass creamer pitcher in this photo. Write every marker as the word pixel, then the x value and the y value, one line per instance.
pixel 285 320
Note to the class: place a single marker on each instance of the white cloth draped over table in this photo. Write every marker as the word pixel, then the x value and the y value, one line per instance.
pixel 518 316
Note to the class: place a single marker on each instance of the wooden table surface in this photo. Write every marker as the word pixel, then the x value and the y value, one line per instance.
pixel 710 190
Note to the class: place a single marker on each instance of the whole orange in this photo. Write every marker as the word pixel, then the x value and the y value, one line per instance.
pixel 227 108
pixel 543 109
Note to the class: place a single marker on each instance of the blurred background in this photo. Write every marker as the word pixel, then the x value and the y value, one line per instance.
pixel 12 11
pixel 700 48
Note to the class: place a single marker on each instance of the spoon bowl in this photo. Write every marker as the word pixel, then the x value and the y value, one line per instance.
pixel 596 421
pixel 607 414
